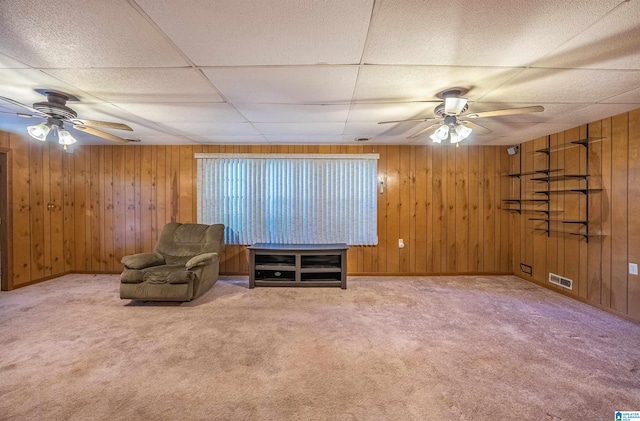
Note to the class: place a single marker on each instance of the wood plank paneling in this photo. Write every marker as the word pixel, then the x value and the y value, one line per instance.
pixel 605 211
pixel 599 267
pixel 633 298
pixel 393 208
pixel 489 213
pixel 56 181
pixel 439 218
pixel 119 205
pixel 450 211
pixel 474 210
pixel 593 209
pixel 406 229
pixel 107 262
pixel 37 209
pixel 421 197
pixel 96 217
pixel 462 209
pixel 619 212
pixel 21 209
pixel 67 210
pixel 444 202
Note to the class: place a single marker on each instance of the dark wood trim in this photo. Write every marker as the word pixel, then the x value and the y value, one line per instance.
pixel 37 281
pixel 378 274
pixel 5 216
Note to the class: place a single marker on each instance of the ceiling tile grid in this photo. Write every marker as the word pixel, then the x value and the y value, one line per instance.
pixel 319 72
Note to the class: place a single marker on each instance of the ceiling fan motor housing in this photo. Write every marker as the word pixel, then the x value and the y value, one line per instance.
pixel 55 106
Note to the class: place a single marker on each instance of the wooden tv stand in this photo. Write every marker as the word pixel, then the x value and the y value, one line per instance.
pixel 298 265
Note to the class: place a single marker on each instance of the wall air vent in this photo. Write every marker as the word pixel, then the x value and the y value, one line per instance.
pixel 560 281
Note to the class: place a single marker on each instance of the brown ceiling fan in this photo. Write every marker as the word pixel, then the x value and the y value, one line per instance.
pixel 452 123
pixel 56 113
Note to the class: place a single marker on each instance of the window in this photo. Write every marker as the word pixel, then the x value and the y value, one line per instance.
pixel 298 199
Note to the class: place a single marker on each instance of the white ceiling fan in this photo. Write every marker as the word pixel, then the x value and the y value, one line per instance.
pixel 453 124
pixel 56 113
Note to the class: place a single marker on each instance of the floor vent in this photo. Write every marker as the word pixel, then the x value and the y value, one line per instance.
pixel 560 280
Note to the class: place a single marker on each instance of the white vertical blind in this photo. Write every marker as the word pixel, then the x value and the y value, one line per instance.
pixel 297 199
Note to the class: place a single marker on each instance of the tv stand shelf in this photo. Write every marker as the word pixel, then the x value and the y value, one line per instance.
pixel 300 265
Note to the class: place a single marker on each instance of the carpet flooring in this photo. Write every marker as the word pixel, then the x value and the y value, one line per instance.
pixel 414 348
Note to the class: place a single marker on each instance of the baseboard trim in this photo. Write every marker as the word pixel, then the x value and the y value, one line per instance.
pixel 429 274
pixel 37 281
pixel 551 287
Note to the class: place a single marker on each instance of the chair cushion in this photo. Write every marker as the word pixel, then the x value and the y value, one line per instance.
pixel 142 260
pixel 131 276
pixel 200 260
pixel 180 242
pixel 168 274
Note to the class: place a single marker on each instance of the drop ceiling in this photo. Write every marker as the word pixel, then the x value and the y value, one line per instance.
pixel 319 72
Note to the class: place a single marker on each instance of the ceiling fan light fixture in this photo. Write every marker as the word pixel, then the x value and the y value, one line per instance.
pixel 463 132
pixel 65 138
pixel 440 134
pixel 39 131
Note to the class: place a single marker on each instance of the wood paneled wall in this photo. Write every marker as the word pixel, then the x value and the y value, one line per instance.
pixel 598 268
pixel 110 201
pixel 445 203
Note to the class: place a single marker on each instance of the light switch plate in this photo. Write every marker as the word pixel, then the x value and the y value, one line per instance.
pixel 633 268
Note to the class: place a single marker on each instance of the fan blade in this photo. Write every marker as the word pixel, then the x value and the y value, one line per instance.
pixel 404 121
pixel 117 126
pixel 419 132
pixel 19 104
pixel 477 129
pixel 508 111
pixel 100 133
pixel 24 115
pixel 454 105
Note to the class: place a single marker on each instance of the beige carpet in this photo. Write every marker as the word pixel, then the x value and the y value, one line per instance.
pixel 423 348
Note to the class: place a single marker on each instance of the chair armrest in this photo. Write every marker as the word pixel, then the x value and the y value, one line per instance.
pixel 142 260
pixel 201 260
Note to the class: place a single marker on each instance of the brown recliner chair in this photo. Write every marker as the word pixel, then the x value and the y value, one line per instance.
pixel 183 265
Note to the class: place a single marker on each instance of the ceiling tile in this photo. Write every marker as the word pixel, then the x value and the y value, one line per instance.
pixel 9 63
pixel 422 83
pixel 629 97
pixel 20 85
pixel 367 129
pixel 304 139
pixel 610 43
pixel 184 112
pixel 82 33
pixel 214 129
pixel 531 132
pixel 140 85
pixel 487 33
pixel 285 85
pixel 379 140
pixel 233 140
pixel 391 111
pixel 280 113
pixel 593 112
pixel 303 129
pixel 245 32
pixel 565 85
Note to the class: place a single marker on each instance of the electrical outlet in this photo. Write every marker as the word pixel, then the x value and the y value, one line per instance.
pixel 401 243
pixel 633 268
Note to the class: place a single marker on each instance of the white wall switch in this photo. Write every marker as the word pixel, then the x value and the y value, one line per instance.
pixel 401 243
pixel 633 268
